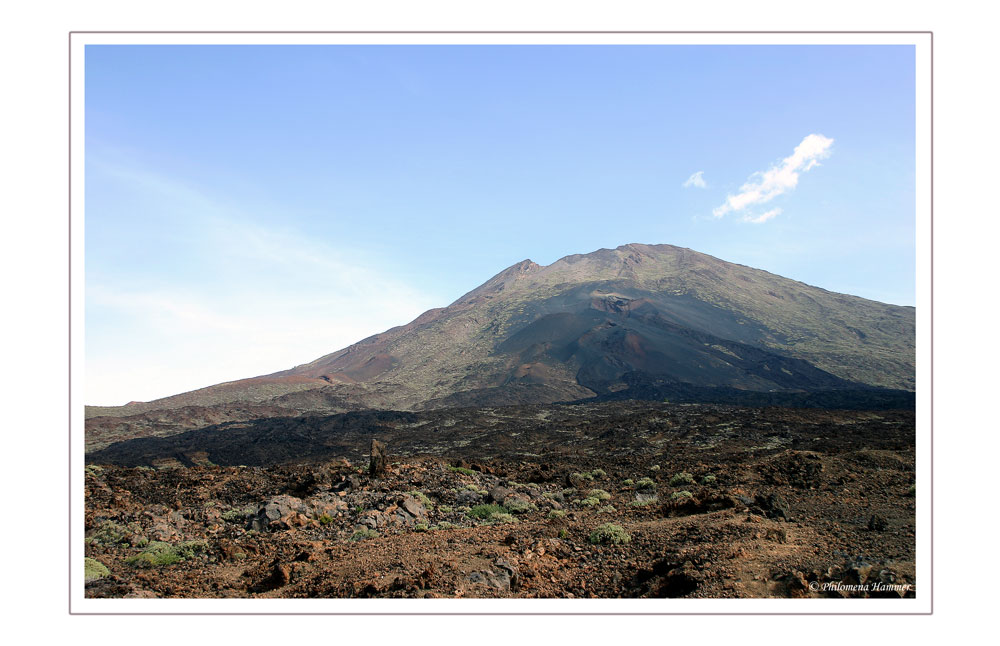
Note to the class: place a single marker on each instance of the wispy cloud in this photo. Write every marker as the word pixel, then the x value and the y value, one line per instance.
pixel 764 186
pixel 697 180
pixel 268 297
pixel 762 218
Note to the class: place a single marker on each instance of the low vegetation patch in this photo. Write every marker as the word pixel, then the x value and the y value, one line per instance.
pixel 158 553
pixel 94 569
pixel 486 512
pixel 238 515
pixel 646 483
pixel 680 495
pixel 464 471
pixel 363 535
pixel 520 506
pixel 708 480
pixel 109 533
pixel 609 534
pixel 556 513
pixel 600 494
pixel 682 478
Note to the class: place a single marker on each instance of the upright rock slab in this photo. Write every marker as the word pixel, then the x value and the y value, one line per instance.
pixel 379 459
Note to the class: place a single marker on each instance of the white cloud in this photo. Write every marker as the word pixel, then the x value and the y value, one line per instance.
pixel 763 217
pixel 696 180
pixel 764 186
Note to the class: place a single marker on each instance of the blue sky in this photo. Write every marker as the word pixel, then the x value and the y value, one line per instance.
pixel 250 208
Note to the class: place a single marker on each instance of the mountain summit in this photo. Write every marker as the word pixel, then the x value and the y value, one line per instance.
pixel 602 324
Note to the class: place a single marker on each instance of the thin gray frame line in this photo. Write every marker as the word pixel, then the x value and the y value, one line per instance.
pixel 70 336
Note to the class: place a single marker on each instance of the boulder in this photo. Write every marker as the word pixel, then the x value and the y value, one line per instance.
pixel 877 524
pixel 413 507
pixel 771 506
pixel 498 494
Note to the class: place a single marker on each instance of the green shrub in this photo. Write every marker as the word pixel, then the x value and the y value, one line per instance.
pixel 463 471
pixel 325 519
pixel 609 533
pixel 520 506
pixel 629 482
pixel 556 513
pixel 190 549
pixel 655 467
pixel 563 533
pixel 94 569
pixel 589 502
pixel 363 534
pixel 708 480
pixel 581 476
pixel 600 494
pixel 159 553
pixel 109 533
pixel 599 473
pixel 678 495
pixel 238 515
pixel 502 518
pixel 681 478
pixel 420 527
pixel 444 525
pixel 606 509
pixel 644 501
pixel 646 483
pixel 445 509
pixel 912 491
pixel 486 512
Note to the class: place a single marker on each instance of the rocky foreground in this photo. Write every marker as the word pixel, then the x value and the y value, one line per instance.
pixel 652 501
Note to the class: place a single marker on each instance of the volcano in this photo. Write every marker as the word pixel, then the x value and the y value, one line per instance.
pixel 639 321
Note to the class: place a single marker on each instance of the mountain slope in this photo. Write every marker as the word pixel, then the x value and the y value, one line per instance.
pixel 587 325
